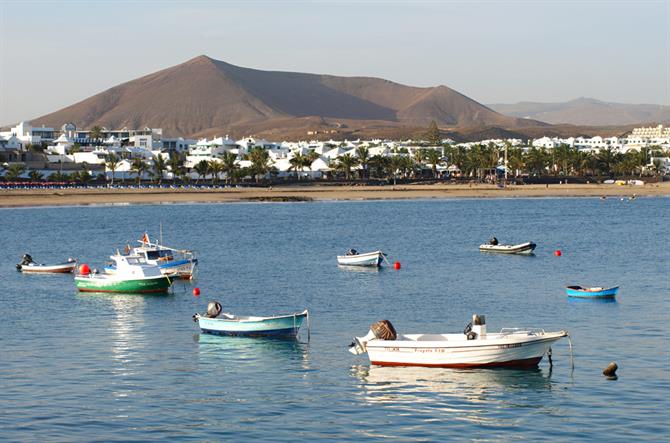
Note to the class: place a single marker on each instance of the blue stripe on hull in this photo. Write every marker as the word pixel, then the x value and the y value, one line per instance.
pixel 289 332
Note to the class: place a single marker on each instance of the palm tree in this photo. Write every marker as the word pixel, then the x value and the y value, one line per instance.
pixel 377 163
pixel 363 155
pixel 433 157
pixel 14 171
pixel 201 168
pixel 159 167
pixel 260 162
pixel 112 163
pixel 35 175
pixel 82 176
pixel 138 167
pixel 176 166
pixel 215 167
pixel 96 133
pixel 345 163
pixel 395 164
pixel 59 177
pixel 297 163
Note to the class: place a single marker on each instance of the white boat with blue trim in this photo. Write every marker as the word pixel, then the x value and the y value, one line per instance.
pixel 221 323
pixel 175 263
pixel 354 258
pixel 511 347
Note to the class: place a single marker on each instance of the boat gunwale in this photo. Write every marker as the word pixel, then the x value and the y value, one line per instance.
pixel 241 319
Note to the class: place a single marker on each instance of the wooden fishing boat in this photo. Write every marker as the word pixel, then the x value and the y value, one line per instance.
pixel 28 266
pixel 596 292
pixel 221 323
pixel 526 248
pixel 353 258
pixel 133 275
pixel 511 347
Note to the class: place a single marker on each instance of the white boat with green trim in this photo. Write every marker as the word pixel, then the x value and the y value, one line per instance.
pixel 133 275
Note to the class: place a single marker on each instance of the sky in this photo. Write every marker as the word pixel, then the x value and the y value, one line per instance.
pixel 56 53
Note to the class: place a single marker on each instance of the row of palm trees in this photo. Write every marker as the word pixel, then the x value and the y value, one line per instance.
pixel 475 162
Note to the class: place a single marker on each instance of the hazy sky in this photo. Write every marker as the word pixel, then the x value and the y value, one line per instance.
pixel 53 54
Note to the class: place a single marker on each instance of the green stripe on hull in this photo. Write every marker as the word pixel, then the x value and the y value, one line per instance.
pixel 161 284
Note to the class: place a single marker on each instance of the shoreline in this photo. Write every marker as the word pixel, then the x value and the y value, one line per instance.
pixel 315 192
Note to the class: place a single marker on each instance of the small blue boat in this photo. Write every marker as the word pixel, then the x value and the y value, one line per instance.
pixel 585 292
pixel 285 326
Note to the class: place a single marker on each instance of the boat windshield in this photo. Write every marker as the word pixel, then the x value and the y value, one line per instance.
pixel 133 260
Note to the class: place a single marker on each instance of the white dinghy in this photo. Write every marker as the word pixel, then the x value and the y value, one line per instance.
pixel 473 348
pixel 354 258
pixel 526 248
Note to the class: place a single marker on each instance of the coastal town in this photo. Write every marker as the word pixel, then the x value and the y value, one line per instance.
pixel 115 157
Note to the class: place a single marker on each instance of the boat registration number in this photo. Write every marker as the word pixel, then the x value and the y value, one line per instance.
pixel 510 346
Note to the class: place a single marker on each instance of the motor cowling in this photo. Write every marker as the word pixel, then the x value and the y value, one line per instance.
pixel 213 309
pixel 383 330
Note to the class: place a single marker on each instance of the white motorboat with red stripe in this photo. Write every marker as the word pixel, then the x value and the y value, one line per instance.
pixel 511 347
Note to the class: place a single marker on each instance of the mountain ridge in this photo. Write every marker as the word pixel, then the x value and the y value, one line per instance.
pixel 206 96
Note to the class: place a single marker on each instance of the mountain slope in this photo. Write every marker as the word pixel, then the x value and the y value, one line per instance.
pixel 587 111
pixel 204 96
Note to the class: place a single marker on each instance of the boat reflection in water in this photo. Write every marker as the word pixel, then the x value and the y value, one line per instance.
pixel 473 395
pixel 591 300
pixel 249 352
pixel 362 269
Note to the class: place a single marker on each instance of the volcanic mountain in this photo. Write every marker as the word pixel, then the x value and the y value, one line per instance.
pixel 204 96
pixel 587 111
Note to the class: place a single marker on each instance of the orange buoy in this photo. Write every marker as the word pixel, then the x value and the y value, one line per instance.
pixel 196 292
pixel 84 269
pixel 558 253
pixel 396 265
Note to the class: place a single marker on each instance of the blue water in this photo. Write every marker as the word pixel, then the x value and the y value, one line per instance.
pixel 122 367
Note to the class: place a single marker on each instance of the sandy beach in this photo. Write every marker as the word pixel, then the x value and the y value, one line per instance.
pixel 315 192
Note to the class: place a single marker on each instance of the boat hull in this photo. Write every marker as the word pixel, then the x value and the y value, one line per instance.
pixel 285 326
pixel 470 354
pixel 520 249
pixel 181 269
pixel 138 286
pixel 580 292
pixel 54 269
pixel 373 259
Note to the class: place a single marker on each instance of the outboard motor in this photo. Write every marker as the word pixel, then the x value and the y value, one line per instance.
pixel 25 260
pixel 380 330
pixel 476 329
pixel 213 309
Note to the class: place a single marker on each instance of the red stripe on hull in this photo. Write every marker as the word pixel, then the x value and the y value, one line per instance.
pixel 146 291
pixel 525 363
pixel 55 271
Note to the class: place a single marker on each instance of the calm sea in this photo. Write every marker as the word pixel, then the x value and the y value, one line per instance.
pixel 125 367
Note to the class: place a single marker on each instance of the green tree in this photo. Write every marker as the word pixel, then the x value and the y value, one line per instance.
pixel 82 176
pixel 433 157
pixel 215 167
pixel 112 164
pixel 176 164
pixel 433 134
pixel 96 133
pixel 35 175
pixel 14 171
pixel 363 155
pixel 201 168
pixel 377 164
pixel 159 167
pixel 345 163
pixel 138 167
pixel 260 162
pixel 297 164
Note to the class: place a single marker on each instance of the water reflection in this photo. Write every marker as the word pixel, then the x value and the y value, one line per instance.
pixel 361 269
pixel 592 300
pixel 253 350
pixel 470 394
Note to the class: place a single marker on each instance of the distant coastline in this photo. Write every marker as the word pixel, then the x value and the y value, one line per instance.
pixel 70 197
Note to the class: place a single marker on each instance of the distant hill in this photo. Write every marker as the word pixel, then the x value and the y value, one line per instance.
pixel 586 111
pixel 204 96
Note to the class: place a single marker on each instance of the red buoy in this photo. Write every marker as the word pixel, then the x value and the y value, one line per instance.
pixel 558 253
pixel 396 265
pixel 84 269
pixel 196 292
